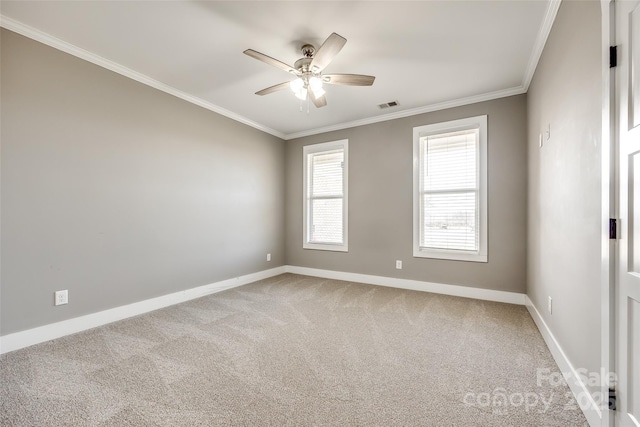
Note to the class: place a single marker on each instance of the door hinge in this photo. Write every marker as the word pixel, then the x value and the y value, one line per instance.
pixel 612 399
pixel 613 56
pixel 613 228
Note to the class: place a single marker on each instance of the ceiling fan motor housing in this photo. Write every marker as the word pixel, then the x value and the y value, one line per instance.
pixel 303 65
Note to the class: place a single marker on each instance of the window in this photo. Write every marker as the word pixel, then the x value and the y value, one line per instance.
pixel 325 196
pixel 450 190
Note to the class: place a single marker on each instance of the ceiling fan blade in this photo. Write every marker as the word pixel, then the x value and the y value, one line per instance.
pixel 273 88
pixel 348 79
pixel 329 49
pixel 318 102
pixel 271 61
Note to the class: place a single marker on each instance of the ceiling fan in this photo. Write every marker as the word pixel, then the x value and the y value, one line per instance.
pixel 308 71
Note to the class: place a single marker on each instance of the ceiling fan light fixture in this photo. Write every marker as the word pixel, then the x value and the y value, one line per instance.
pixel 297 86
pixel 301 94
pixel 315 83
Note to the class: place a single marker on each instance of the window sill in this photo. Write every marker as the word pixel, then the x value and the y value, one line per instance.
pixel 325 247
pixel 450 255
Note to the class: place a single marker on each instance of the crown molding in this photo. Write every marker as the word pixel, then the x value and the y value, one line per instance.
pixel 42 37
pixel 412 112
pixel 56 43
pixel 541 40
pixel 536 53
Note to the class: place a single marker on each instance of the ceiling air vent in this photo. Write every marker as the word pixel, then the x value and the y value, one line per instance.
pixel 388 104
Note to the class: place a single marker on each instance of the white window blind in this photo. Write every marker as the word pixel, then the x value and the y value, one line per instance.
pixel 325 194
pixel 450 188
pixel 449 196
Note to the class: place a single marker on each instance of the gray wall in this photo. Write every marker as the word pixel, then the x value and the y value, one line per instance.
pixel 380 201
pixel 119 192
pixel 564 182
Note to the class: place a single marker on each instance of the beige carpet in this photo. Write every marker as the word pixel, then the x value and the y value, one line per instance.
pixel 295 350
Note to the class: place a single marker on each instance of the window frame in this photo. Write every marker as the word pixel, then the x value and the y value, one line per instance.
pixel 481 255
pixel 319 148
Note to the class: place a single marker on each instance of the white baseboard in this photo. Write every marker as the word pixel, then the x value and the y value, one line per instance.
pixel 416 285
pixel 44 333
pixel 584 398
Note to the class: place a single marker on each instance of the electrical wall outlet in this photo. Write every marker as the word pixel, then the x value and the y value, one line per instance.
pixel 399 265
pixel 61 297
pixel 550 306
pixel 268 257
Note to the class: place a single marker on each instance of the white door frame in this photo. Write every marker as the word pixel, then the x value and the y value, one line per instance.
pixel 626 142
pixel 609 171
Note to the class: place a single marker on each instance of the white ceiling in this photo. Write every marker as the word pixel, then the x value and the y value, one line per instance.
pixel 426 55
